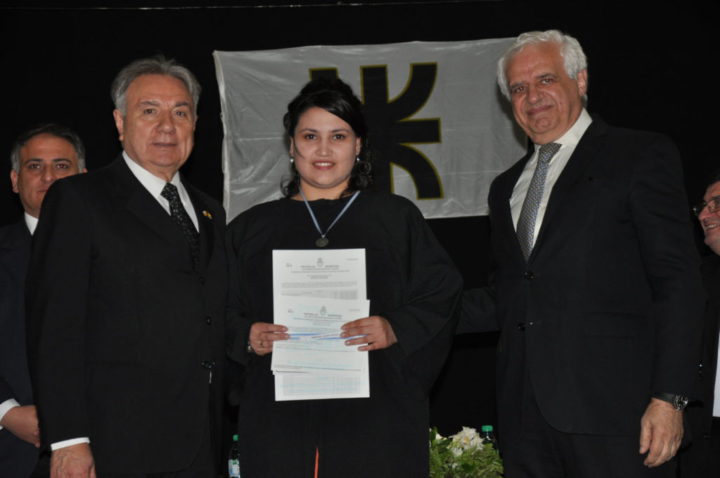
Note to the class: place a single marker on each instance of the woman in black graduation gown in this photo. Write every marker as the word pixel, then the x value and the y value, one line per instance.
pixel 411 283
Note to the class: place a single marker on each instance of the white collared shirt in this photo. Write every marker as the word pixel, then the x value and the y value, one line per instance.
pixel 716 401
pixel 31 222
pixel 6 406
pixel 568 142
pixel 155 185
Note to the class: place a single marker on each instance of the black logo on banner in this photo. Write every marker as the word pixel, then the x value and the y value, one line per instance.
pixel 392 132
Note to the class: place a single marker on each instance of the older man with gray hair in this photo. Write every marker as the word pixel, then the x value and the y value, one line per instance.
pixel 124 357
pixel 597 292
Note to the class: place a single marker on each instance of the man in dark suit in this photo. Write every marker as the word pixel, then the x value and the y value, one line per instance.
pixel 702 458
pixel 38 157
pixel 596 288
pixel 124 356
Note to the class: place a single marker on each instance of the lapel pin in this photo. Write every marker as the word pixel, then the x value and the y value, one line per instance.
pixel 207 214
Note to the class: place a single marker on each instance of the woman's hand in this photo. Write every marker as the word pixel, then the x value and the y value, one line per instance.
pixel 263 334
pixel 375 331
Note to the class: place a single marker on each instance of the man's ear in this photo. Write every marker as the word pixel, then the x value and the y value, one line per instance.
pixel 119 123
pixel 582 82
pixel 14 180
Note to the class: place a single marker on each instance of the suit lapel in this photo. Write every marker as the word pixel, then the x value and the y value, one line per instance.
pixel 15 248
pixel 141 204
pixel 573 173
pixel 504 214
pixel 130 193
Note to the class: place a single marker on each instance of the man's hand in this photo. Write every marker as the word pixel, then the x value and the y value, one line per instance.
pixel 661 431
pixel 375 331
pixel 74 461
pixel 263 334
pixel 23 423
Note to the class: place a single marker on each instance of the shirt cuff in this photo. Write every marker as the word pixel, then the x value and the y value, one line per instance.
pixel 6 406
pixel 67 443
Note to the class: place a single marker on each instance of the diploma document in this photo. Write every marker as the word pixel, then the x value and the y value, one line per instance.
pixel 314 293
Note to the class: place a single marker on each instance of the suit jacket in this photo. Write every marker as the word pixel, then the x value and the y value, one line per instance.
pixel 701 417
pixel 124 333
pixel 607 308
pixel 17 457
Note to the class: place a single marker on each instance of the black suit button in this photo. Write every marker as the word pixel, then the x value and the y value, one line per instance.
pixel 202 280
pixel 208 320
pixel 528 275
pixel 521 326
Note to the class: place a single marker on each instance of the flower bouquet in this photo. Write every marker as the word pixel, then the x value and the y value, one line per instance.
pixel 463 455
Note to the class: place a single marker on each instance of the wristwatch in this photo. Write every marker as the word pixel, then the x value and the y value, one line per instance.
pixel 679 402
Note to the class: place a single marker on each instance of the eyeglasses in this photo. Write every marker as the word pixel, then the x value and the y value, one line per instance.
pixel 713 205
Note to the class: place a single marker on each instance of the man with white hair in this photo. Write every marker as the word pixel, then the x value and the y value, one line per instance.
pixel 596 290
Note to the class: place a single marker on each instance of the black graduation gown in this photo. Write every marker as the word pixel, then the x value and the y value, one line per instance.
pixel 410 281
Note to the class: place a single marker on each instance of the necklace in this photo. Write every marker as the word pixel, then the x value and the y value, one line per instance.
pixel 323 241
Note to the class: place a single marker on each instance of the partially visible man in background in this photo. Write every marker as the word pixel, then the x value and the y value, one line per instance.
pixel 39 156
pixel 702 458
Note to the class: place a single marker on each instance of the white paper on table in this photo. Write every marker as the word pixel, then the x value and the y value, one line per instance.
pixel 315 345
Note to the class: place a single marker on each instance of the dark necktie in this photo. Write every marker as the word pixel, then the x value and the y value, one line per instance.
pixel 531 204
pixel 181 218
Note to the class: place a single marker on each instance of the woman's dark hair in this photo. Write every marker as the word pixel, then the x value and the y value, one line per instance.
pixel 336 97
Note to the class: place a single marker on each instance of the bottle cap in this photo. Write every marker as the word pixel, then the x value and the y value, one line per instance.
pixel 486 428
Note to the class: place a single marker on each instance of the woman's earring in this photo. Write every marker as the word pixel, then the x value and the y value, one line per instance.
pixel 292 160
pixel 357 159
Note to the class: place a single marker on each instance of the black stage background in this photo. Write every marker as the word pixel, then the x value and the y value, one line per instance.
pixel 650 68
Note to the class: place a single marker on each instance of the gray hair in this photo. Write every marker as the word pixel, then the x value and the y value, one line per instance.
pixel 574 58
pixel 158 65
pixel 52 129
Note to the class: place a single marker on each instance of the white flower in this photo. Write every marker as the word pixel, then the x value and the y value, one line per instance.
pixel 466 439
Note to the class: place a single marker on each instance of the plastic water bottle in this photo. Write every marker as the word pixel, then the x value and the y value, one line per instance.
pixel 488 436
pixel 234 459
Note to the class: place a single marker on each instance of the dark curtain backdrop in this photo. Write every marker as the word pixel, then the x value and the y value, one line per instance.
pixel 650 68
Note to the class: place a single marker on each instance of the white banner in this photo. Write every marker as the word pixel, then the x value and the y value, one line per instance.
pixel 439 129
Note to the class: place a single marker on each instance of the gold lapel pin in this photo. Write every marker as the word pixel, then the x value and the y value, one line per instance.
pixel 207 214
